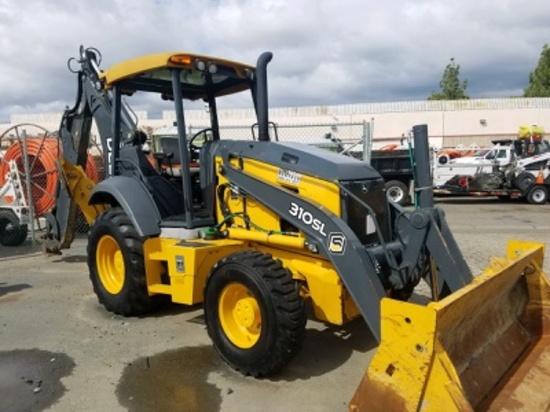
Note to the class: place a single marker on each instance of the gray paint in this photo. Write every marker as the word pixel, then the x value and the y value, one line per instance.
pixel 260 95
pixel 134 198
pixel 303 159
pixel 74 132
pixel 183 149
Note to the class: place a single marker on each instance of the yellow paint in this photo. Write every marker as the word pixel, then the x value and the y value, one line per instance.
pixel 321 284
pixel 293 242
pixel 330 300
pixel 320 281
pixel 110 264
pixel 324 194
pixel 187 265
pixel 450 354
pixel 240 315
pixel 159 61
pixel 309 188
pixel 80 187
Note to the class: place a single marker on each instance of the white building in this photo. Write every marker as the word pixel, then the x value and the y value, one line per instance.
pixel 450 123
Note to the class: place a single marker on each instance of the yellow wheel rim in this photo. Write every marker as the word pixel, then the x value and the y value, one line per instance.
pixel 110 264
pixel 240 315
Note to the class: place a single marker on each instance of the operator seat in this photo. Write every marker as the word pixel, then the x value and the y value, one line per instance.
pixel 167 195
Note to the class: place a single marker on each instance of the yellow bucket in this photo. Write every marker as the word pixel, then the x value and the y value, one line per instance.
pixel 484 347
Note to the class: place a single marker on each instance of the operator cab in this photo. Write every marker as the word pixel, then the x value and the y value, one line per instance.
pixel 165 149
pixel 179 174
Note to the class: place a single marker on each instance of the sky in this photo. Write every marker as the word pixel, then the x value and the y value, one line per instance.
pixel 326 52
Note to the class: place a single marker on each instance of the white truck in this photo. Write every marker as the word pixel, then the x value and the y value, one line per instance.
pixel 14 211
pixel 506 170
pixel 482 161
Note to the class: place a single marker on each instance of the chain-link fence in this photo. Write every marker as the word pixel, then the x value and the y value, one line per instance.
pixel 320 134
pixel 30 171
pixel 29 179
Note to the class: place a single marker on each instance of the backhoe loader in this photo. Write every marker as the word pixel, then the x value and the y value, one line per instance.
pixel 261 227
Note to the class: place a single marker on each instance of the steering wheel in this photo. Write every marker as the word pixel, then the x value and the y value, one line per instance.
pixel 195 149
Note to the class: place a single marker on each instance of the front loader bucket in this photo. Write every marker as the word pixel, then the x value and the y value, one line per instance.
pixel 484 347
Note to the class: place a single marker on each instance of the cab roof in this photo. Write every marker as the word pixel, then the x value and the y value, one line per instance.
pixel 201 76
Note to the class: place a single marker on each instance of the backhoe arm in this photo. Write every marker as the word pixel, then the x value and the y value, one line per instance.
pixel 93 103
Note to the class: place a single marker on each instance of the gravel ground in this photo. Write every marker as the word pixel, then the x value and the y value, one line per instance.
pixel 60 350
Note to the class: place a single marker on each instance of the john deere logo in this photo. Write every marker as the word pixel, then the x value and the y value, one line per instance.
pixel 336 243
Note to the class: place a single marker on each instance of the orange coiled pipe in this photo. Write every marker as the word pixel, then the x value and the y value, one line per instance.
pixel 42 154
pixel 452 153
pixel 389 147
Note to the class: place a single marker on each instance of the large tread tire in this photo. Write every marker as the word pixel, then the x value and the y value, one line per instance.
pixel 538 195
pixel 282 313
pixel 132 297
pixel 397 192
pixel 12 233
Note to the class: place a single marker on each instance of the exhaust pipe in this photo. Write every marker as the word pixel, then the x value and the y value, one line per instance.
pixel 262 110
pixel 422 166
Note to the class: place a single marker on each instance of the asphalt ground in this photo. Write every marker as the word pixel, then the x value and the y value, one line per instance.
pixel 61 351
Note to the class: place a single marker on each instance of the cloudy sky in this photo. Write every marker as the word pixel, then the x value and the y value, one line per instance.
pixel 325 51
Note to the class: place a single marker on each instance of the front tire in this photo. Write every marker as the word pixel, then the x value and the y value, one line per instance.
pixel 254 313
pixel 116 263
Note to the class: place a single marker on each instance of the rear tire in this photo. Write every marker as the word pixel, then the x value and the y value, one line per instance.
pixel 254 313
pixel 538 195
pixel 524 181
pixel 12 233
pixel 116 263
pixel 397 192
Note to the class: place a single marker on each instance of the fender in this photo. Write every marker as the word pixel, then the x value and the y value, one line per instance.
pixel 134 198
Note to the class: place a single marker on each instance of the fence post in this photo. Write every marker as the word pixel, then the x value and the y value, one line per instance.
pixel 368 137
pixel 28 183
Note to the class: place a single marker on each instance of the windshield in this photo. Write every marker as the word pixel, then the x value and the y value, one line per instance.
pixel 502 154
pixel 481 153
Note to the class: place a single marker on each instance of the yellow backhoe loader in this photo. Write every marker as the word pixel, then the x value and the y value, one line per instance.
pixel 261 227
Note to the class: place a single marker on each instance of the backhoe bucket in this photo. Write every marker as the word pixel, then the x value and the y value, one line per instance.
pixel 484 347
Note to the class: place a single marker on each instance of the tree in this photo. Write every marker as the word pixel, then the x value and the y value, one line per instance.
pixel 451 87
pixel 539 79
